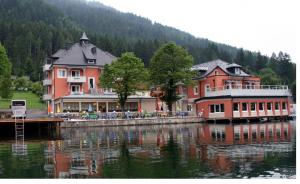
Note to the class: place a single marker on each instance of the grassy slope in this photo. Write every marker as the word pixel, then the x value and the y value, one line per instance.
pixel 33 101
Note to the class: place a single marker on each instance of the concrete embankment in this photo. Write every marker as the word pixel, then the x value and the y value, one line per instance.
pixel 129 122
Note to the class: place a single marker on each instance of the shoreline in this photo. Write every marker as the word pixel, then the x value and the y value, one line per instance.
pixel 128 122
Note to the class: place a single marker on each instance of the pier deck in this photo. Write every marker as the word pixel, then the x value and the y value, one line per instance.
pixel 34 120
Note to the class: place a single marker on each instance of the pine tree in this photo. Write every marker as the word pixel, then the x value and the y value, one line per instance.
pixel 5 74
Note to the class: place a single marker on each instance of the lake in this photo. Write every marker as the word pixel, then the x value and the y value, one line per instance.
pixel 196 150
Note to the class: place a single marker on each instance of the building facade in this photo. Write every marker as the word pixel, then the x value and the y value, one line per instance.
pixel 71 81
pixel 226 91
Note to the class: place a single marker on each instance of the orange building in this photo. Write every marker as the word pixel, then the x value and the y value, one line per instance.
pixel 72 81
pixel 225 91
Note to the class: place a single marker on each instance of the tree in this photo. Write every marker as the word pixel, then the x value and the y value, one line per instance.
pixel 260 62
pixel 124 76
pixel 37 88
pixel 269 77
pixel 22 83
pixel 171 65
pixel 240 57
pixel 5 74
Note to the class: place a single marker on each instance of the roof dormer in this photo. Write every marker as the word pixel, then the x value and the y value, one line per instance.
pixel 234 68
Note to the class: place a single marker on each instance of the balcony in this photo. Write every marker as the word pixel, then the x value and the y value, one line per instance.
pixel 47 82
pixel 47 97
pixel 242 91
pixel 76 93
pixel 77 79
pixel 46 67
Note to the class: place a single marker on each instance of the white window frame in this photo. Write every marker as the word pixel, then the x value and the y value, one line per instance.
pixel 214 105
pixel 189 109
pixel 237 70
pixel 60 76
pixel 278 106
pixel 207 86
pixel 75 73
pixel 254 106
pixel 262 106
pixel 94 82
pixel 72 92
pixel 284 109
pixel 246 107
pixel 238 110
pixel 271 106
pixel 91 61
pixel 196 90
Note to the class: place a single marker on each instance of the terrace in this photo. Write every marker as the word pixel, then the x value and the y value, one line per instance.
pixel 248 90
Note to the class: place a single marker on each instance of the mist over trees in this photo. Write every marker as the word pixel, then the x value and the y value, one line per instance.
pixel 30 30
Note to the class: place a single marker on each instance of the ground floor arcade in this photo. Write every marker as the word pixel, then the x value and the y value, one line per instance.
pixel 62 105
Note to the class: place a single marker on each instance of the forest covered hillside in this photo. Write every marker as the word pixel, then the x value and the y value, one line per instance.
pixel 32 29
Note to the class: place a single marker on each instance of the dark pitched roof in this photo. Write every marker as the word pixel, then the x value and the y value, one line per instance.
pixel 79 53
pixel 208 67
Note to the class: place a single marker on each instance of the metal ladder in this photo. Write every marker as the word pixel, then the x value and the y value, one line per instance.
pixel 19 148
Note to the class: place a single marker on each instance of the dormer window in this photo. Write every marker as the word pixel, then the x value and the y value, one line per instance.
pixel 91 61
pixel 237 71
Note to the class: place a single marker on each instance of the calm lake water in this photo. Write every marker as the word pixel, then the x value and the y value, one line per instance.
pixel 263 150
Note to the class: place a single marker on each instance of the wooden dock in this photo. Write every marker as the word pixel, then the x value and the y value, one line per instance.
pixel 31 121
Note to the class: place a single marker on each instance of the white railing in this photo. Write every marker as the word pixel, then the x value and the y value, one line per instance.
pixel 46 67
pixel 47 97
pixel 77 93
pixel 248 90
pixel 47 82
pixel 77 79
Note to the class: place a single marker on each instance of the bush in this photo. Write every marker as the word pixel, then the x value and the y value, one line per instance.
pixel 22 84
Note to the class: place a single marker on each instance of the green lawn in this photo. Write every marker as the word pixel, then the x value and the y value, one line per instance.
pixel 33 101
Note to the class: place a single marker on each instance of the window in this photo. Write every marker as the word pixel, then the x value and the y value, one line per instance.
pixel 62 73
pixel 75 88
pixel 276 105
pixel 216 72
pixel 189 107
pixel 212 109
pixel 237 71
pixel 235 106
pixel 91 82
pixel 196 90
pixel 75 73
pixel 222 107
pixel 207 87
pixel 217 108
pixel 244 107
pixel 261 106
pixel 253 106
pixel 283 105
pixel 91 61
pixel 269 106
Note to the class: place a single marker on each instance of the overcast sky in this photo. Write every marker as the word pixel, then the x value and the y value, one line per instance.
pixel 257 25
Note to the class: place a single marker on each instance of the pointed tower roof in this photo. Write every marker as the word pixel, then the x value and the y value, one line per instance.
pixel 83 37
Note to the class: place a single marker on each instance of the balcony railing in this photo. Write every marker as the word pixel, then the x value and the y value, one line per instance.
pixel 77 79
pixel 47 82
pixel 77 93
pixel 47 97
pixel 248 90
pixel 46 67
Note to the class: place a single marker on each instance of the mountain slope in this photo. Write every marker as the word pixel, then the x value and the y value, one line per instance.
pixel 32 29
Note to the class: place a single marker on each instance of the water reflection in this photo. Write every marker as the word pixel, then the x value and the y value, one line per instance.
pixel 193 150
